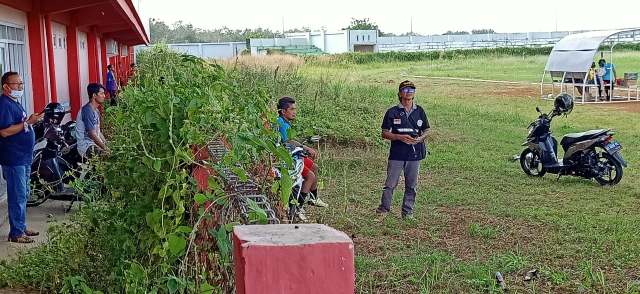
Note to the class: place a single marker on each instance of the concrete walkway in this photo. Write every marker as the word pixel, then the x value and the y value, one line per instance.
pixel 38 218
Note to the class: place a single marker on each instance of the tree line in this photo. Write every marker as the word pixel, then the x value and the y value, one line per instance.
pixel 181 32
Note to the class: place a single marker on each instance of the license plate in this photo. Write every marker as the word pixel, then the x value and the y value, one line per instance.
pixel 613 147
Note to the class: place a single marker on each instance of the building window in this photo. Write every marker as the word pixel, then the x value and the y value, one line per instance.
pixel 3 32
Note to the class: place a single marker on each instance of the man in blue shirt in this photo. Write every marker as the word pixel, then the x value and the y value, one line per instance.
pixel 88 133
pixel 16 154
pixel 405 125
pixel 112 85
pixel 287 111
pixel 608 77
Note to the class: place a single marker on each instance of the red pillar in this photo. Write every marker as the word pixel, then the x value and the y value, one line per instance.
pixel 103 56
pixel 51 59
pixel 92 48
pixel 37 55
pixel 74 68
pixel 293 258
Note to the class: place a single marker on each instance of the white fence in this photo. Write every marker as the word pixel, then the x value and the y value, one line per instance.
pixel 207 50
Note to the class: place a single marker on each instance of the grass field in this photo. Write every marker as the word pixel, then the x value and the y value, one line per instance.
pixel 476 213
pixel 506 68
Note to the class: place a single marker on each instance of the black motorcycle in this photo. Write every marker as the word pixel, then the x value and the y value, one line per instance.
pixel 591 154
pixel 56 160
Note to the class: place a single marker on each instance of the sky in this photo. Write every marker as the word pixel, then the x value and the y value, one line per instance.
pixel 426 17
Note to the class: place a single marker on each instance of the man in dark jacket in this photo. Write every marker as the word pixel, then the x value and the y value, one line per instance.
pixel 405 125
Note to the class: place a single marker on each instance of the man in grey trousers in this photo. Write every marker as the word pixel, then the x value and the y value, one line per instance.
pixel 405 125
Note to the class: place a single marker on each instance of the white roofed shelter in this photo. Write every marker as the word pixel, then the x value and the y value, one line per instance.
pixel 571 58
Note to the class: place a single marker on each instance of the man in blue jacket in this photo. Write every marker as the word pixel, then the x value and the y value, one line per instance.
pixel 16 150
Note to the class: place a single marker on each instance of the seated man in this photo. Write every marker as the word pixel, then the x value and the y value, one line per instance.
pixel 287 114
pixel 90 139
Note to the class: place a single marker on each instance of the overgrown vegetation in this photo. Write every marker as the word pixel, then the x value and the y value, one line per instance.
pixel 148 232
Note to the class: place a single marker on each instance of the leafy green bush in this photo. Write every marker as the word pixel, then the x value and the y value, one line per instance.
pixel 140 236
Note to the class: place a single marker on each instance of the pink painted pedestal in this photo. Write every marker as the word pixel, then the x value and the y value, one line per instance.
pixel 301 259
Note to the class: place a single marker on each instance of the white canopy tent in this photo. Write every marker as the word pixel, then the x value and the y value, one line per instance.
pixel 571 59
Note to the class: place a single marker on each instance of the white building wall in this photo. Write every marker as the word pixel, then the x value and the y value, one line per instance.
pixel 13 17
pixel 318 40
pixel 59 33
pixel 337 42
pixel 83 62
pixel 16 18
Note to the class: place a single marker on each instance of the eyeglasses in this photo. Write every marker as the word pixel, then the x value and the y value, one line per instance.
pixel 408 90
pixel 19 83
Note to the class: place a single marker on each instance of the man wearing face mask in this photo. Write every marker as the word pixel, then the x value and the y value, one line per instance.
pixel 405 125
pixel 16 150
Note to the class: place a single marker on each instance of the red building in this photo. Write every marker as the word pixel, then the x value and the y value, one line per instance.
pixel 60 46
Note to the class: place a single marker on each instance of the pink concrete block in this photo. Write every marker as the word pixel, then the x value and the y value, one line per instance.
pixel 301 259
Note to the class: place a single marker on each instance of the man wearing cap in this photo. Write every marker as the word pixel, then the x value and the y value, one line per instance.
pixel 405 125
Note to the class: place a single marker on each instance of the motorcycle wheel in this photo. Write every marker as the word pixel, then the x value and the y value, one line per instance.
pixel 38 193
pixel 531 164
pixel 614 168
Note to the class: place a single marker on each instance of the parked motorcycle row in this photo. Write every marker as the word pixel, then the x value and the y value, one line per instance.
pixel 56 161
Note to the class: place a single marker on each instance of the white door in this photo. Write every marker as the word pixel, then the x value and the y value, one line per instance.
pixel 83 62
pixel 59 32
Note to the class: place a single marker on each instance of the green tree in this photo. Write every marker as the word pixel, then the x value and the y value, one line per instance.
pixel 181 32
pixel 362 24
pixel 456 33
pixel 483 31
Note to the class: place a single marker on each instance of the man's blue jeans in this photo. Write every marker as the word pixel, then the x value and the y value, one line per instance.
pixel 17 178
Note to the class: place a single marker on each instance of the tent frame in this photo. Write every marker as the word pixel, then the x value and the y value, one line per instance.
pixel 585 85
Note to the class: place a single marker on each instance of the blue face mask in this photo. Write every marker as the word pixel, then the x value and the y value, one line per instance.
pixel 16 94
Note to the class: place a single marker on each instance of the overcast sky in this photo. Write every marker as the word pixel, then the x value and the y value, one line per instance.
pixel 429 17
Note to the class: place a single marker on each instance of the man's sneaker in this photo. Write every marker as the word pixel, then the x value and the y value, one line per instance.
pixel 381 211
pixel 317 202
pixel 302 216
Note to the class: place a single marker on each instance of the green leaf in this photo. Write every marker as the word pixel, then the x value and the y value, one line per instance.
pixel 200 198
pixel 157 165
pixel 224 245
pixel 256 213
pixel 207 289
pixel 229 227
pixel 154 221
pixel 184 229
pixel 242 175
pixel 172 285
pixel 177 244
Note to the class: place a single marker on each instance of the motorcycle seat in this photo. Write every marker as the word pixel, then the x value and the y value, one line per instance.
pixel 570 139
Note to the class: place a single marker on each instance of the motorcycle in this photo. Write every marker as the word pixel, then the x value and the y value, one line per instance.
pixel 592 154
pixel 56 161
pixel 295 211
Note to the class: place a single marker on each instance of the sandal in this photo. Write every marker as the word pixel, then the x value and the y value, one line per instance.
pixel 31 233
pixel 22 239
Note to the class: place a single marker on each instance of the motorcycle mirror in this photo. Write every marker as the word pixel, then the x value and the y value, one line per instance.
pixel 538 109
